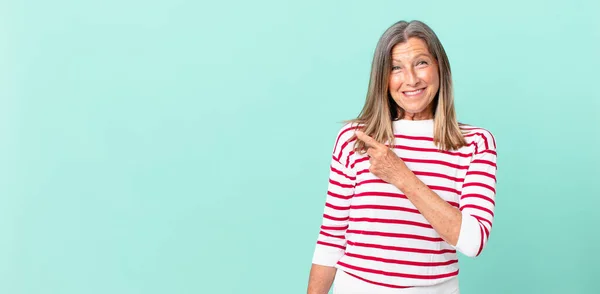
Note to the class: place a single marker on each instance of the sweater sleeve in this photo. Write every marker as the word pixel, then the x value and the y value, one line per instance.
pixel 477 200
pixel 331 241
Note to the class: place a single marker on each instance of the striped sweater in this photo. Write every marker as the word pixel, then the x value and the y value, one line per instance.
pixel 373 232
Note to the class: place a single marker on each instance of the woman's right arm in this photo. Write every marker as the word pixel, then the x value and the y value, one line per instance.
pixel 321 279
pixel 331 241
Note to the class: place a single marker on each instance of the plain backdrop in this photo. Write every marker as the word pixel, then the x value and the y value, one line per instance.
pixel 175 146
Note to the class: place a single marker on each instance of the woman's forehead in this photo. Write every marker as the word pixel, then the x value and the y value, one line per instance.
pixel 410 49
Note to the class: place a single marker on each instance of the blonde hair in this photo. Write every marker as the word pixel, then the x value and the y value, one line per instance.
pixel 380 109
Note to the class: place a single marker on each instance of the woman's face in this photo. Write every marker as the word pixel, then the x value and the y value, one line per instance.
pixel 414 79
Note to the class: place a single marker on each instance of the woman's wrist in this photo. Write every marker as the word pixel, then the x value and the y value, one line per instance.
pixel 406 181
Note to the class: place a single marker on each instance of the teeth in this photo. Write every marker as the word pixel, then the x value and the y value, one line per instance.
pixel 414 92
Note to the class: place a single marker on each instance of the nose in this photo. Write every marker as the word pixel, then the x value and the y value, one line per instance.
pixel 410 78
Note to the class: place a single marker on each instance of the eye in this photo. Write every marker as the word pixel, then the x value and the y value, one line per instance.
pixel 421 62
pixel 395 67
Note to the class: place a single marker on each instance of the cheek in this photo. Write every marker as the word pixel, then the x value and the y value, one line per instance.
pixel 395 82
pixel 431 77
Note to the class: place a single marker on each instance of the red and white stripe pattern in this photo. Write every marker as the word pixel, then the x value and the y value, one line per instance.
pixel 373 232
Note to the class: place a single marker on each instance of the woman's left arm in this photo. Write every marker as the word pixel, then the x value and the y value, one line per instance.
pixel 466 228
pixel 445 219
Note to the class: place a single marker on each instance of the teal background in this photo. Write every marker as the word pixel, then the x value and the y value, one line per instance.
pixel 183 146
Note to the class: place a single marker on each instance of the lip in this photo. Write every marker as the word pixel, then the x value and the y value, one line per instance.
pixel 414 93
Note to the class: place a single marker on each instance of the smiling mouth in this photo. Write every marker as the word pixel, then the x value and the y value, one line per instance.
pixel 413 93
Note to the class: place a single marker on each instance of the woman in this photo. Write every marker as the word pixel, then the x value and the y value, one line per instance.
pixel 409 186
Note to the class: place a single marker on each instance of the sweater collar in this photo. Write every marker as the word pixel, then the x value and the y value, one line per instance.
pixel 414 127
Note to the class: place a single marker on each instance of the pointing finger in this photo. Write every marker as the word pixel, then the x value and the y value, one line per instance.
pixel 371 152
pixel 368 140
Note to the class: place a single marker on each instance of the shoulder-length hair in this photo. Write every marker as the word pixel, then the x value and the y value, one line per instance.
pixel 380 109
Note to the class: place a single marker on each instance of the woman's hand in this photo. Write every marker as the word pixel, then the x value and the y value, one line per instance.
pixel 385 164
pixel 443 217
